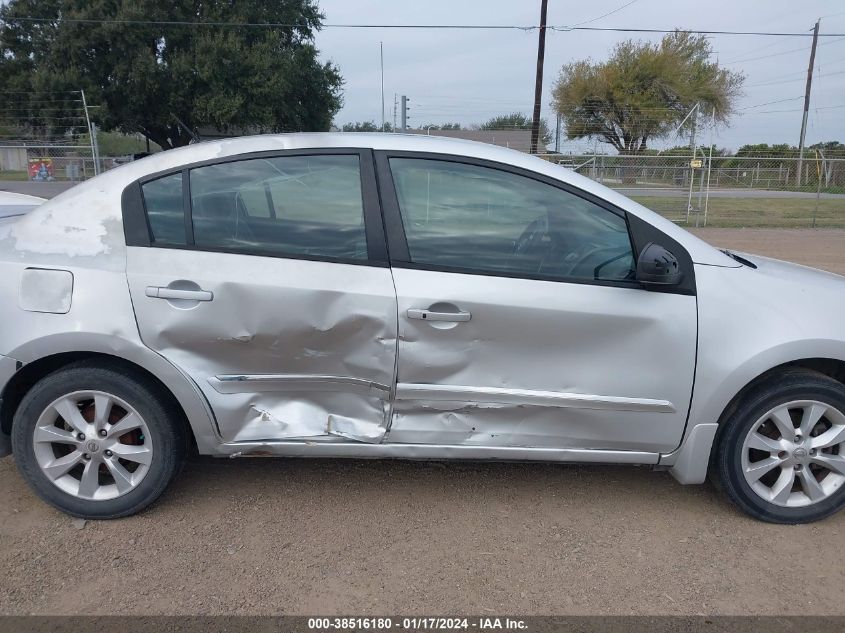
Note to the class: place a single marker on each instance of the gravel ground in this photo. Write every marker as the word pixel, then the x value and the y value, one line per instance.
pixel 819 248
pixel 272 536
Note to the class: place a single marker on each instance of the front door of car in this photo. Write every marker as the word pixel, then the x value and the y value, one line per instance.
pixel 520 322
pixel 265 279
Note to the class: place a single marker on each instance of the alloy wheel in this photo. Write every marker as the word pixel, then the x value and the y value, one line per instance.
pixel 794 455
pixel 92 445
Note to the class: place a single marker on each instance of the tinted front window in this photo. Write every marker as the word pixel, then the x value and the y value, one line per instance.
pixel 293 205
pixel 163 200
pixel 482 219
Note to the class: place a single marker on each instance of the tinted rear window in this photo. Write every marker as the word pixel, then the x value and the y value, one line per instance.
pixel 163 201
pixel 291 205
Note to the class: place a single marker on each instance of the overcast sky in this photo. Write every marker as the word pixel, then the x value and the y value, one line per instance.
pixel 469 76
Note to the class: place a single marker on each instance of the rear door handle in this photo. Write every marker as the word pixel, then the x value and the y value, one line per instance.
pixel 430 315
pixel 158 292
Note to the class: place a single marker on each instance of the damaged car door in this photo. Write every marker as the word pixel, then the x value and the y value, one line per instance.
pixel 521 322
pixel 265 278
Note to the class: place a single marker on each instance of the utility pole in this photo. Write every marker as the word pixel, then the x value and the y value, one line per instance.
pixel 381 55
pixel 709 166
pixel 97 165
pixel 694 111
pixel 538 82
pixel 807 103
pixel 404 113
pixel 557 134
pixel 91 133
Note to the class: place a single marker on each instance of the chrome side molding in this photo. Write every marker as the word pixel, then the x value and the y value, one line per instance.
pixel 247 383
pixel 459 393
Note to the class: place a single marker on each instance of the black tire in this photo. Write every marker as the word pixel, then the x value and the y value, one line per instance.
pixel 164 422
pixel 726 467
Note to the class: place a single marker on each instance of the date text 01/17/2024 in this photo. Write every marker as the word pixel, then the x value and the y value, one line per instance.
pixel 415 623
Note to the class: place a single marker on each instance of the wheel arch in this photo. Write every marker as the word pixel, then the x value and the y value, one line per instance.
pixel 690 463
pixel 173 382
pixel 830 367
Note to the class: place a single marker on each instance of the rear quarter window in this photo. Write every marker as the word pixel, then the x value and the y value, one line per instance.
pixel 165 214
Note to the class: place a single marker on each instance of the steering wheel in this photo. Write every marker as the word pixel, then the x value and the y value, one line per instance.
pixel 531 236
pixel 589 260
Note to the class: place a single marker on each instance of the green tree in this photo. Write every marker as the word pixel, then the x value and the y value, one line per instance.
pixel 517 121
pixel 159 79
pixel 441 126
pixel 117 144
pixel 365 126
pixel 830 149
pixel 643 91
pixel 778 150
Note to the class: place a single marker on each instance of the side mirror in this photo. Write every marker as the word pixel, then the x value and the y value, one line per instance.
pixel 657 266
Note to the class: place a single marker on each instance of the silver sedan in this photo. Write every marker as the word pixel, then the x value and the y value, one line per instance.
pixel 341 295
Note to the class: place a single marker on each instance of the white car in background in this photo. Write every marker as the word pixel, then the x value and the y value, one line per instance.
pixel 14 204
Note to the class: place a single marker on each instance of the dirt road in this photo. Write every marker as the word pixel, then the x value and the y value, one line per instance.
pixel 265 536
pixel 821 248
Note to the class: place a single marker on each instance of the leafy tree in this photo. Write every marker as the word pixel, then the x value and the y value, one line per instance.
pixel 831 149
pixel 161 80
pixel 117 144
pixel 365 126
pixel 441 126
pixel 778 150
pixel 829 146
pixel 517 121
pixel 644 91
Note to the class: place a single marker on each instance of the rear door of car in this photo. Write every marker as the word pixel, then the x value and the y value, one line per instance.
pixel 265 278
pixel 520 322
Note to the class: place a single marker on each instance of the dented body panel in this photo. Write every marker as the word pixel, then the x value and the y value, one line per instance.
pixel 285 349
pixel 542 363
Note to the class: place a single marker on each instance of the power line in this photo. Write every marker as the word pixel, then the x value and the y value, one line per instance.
pixel 754 59
pixel 617 10
pixel 759 48
pixel 793 50
pixel 517 27
pixel 788 81
pixel 38 92
pixel 759 105
pixel 801 109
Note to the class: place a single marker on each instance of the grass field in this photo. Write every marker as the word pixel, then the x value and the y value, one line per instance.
pixel 6 174
pixel 755 212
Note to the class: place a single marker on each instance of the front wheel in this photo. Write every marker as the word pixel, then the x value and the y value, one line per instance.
pixel 781 456
pixel 97 442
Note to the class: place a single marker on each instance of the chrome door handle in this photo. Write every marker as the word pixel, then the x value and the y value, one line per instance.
pixel 430 315
pixel 157 292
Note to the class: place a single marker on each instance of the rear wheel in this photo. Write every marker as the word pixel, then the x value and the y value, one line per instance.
pixel 781 456
pixel 96 442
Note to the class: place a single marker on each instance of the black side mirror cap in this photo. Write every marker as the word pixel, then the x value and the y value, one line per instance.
pixel 657 266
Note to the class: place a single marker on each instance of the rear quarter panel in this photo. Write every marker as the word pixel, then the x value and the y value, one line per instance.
pixel 81 232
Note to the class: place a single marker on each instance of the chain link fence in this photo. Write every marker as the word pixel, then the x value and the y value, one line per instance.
pixel 730 191
pixel 733 191
pixel 46 163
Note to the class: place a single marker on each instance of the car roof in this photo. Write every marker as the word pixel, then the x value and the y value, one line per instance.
pixel 221 148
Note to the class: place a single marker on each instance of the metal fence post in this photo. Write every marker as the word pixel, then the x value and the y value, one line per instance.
pixel 98 168
pixel 90 132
